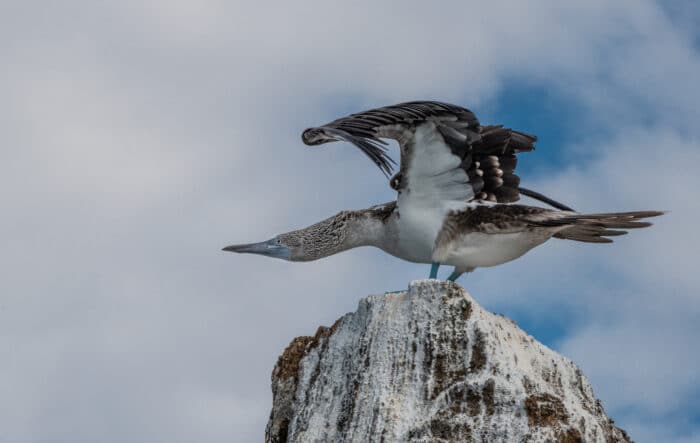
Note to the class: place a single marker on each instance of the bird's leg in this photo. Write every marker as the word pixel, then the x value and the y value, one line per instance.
pixel 455 275
pixel 433 269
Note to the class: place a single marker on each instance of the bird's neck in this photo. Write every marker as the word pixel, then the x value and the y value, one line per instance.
pixel 367 229
pixel 350 229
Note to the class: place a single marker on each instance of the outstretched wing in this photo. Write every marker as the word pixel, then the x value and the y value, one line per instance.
pixel 445 152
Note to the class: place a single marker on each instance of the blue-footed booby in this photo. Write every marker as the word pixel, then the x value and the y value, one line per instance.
pixel 449 161
pixel 455 184
pixel 478 235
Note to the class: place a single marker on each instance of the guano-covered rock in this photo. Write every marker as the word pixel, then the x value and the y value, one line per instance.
pixel 426 365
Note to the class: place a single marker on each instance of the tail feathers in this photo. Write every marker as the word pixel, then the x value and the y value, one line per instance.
pixel 595 228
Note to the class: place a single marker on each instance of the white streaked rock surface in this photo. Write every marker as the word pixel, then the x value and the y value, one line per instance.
pixel 430 364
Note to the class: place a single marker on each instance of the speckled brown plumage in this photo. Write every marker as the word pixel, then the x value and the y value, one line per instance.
pixel 343 231
pixel 492 219
pixel 380 212
pixel 503 219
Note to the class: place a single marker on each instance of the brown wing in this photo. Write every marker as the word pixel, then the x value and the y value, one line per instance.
pixel 486 153
pixel 365 129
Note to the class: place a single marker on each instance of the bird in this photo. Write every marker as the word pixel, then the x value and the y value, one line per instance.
pixel 456 189
pixel 479 235
pixel 448 160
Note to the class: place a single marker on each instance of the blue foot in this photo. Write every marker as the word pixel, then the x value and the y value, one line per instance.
pixel 454 276
pixel 433 269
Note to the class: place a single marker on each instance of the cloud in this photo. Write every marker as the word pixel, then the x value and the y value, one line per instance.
pixel 142 137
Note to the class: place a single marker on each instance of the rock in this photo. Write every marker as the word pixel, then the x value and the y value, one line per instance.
pixel 430 365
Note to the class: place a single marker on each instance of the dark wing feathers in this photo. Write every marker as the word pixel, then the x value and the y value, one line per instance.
pixel 495 156
pixel 459 141
pixel 374 148
pixel 614 220
pixel 594 228
pixel 364 129
pixel 542 198
pixel 375 120
pixel 488 153
pixel 590 228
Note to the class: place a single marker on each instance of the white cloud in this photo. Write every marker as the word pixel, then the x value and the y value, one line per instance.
pixel 142 137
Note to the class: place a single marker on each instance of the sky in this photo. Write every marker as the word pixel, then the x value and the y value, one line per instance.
pixel 140 137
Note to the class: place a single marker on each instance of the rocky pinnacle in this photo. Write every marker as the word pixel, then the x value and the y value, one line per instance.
pixel 427 365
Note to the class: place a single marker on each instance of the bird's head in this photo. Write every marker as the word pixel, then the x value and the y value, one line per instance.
pixel 285 246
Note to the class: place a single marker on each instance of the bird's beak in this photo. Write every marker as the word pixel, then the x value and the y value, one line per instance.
pixel 269 248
